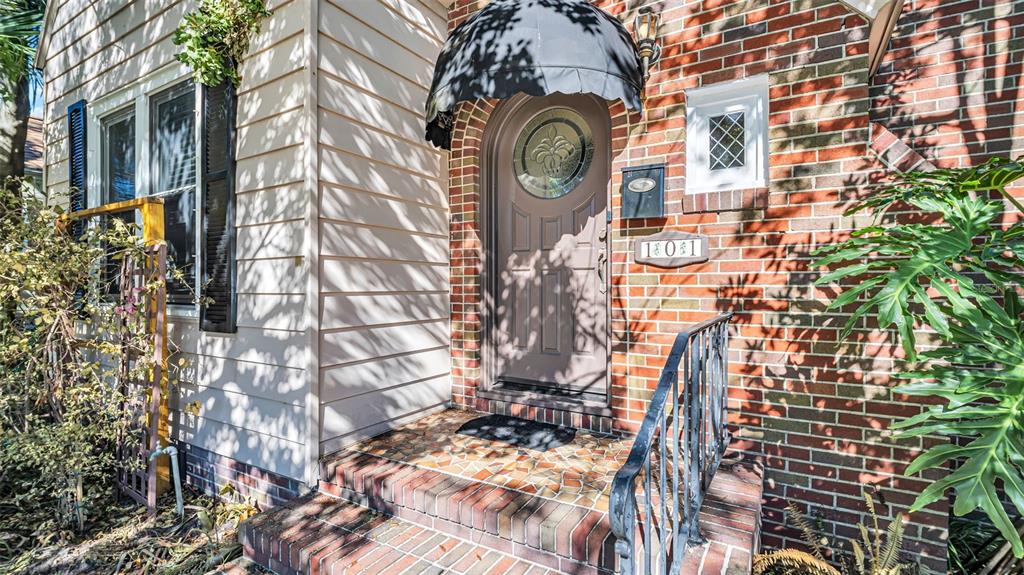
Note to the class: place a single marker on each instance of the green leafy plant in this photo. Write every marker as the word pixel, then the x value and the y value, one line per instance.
pixel 65 349
pixel 977 548
pixel 940 256
pixel 216 37
pixel 877 552
pixel 20 23
pixel 19 35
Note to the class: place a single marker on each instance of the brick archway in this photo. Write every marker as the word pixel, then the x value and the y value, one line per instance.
pixel 467 296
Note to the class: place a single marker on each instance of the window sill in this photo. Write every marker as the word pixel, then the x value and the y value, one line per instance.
pixel 182 312
pixel 725 200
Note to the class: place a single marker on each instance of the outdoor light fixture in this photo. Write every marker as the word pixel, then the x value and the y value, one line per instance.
pixel 645 27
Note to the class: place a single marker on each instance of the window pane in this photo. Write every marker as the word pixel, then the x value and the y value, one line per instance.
pixel 728 141
pixel 174 177
pixel 175 139
pixel 119 164
pixel 180 231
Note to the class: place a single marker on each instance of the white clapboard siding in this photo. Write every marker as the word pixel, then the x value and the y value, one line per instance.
pixel 252 386
pixel 338 275
pixel 284 457
pixel 353 311
pixel 356 206
pixel 341 382
pixel 270 417
pixel 340 62
pixel 365 242
pixel 390 52
pixel 344 420
pixel 384 305
pixel 271 204
pixel 273 382
pixel 337 167
pixel 349 346
pixel 271 276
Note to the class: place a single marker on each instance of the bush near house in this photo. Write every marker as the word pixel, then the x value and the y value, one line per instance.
pixel 73 329
pixel 63 346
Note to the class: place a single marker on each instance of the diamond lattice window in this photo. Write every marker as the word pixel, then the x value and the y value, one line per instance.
pixel 728 141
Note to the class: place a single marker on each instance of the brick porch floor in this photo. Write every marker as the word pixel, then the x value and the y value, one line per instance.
pixel 520 511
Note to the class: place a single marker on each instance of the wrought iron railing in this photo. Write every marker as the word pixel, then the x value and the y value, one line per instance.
pixel 676 453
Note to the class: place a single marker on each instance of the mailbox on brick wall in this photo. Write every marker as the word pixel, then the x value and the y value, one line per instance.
pixel 643 192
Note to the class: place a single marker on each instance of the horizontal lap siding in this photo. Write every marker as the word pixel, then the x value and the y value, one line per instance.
pixel 384 320
pixel 251 386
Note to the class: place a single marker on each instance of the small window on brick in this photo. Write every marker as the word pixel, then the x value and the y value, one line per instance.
pixel 726 139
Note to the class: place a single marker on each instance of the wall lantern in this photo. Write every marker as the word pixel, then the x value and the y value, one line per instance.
pixel 645 27
pixel 643 192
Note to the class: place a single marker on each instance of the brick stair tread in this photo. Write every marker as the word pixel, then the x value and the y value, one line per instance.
pixel 321 535
pixel 561 535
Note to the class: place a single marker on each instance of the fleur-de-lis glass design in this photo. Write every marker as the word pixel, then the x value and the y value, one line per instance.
pixel 552 152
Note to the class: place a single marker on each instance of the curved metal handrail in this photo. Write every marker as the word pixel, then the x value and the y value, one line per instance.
pixel 623 501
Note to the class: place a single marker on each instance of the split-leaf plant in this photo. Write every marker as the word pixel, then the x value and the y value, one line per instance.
pixel 945 253
pixel 67 346
pixel 215 38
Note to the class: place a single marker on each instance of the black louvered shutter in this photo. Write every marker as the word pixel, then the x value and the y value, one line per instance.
pixel 218 225
pixel 76 161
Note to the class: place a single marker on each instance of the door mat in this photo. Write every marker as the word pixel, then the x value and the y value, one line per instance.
pixel 522 433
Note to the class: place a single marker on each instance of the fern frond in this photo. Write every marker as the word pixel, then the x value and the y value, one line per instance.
pixel 794 562
pixel 858 557
pixel 811 537
pixel 878 534
pixel 865 538
pixel 893 543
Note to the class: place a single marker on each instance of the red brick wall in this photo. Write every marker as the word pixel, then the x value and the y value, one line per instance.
pixel 951 86
pixel 816 412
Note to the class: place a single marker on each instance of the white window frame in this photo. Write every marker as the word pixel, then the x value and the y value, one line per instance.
pixel 103 175
pixel 749 96
pixel 140 92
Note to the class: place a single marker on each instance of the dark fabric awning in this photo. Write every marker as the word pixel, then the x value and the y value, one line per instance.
pixel 536 47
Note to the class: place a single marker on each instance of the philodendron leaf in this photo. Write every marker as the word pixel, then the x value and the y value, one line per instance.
pixel 935 457
pixel 958 273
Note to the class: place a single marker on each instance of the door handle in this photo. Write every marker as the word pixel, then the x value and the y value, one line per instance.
pixel 602 263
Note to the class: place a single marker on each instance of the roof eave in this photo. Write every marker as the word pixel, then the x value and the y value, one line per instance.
pixel 882 28
pixel 44 35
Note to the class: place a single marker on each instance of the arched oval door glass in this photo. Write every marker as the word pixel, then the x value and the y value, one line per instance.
pixel 548 174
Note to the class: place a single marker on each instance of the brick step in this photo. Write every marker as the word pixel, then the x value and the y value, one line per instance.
pixel 322 535
pixel 562 536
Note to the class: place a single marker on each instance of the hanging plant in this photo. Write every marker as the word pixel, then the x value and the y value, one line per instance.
pixel 216 37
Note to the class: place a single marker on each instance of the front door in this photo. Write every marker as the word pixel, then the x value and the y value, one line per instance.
pixel 549 184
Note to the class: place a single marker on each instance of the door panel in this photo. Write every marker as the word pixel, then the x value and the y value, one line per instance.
pixel 550 307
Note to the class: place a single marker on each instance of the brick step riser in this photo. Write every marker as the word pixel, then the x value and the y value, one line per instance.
pixel 301 548
pixel 323 535
pixel 562 536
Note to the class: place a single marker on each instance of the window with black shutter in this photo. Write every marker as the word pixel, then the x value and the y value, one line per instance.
pixel 218 216
pixel 173 176
pixel 76 160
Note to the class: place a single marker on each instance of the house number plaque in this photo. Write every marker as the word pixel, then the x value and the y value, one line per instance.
pixel 671 249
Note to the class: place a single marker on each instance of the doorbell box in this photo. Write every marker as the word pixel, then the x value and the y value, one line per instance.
pixel 643 192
